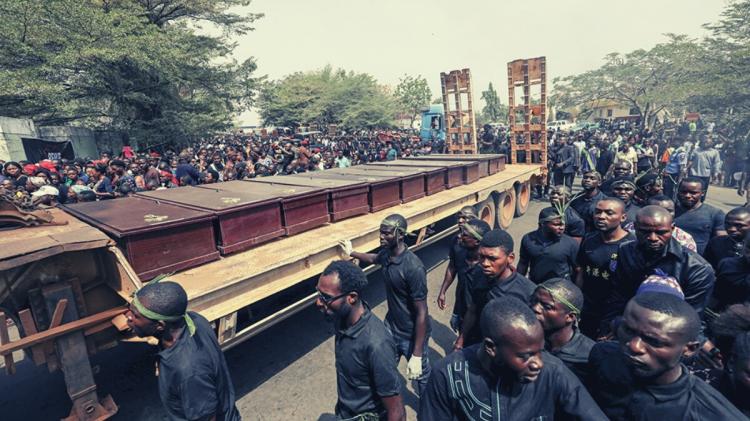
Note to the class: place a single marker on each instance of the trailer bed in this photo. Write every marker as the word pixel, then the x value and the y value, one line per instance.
pixel 222 287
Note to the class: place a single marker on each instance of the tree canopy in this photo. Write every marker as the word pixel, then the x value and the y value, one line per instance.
pixel 412 95
pixel 144 67
pixel 327 96
pixel 710 76
pixel 493 111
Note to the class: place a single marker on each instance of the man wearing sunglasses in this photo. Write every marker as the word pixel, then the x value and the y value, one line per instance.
pixel 366 366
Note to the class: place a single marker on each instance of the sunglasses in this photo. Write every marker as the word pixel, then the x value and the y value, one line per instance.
pixel 328 299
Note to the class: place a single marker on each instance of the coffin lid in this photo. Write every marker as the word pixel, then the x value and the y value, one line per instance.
pixel 135 215
pixel 208 199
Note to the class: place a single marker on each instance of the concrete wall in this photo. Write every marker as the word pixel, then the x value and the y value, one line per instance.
pixel 82 139
pixel 111 142
pixel 11 132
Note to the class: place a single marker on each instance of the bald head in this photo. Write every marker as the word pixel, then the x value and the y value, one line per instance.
pixel 656 214
pixel 504 315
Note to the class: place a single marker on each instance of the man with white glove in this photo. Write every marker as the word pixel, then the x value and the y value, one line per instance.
pixel 406 293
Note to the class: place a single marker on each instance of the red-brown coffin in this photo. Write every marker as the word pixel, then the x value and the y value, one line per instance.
pixel 346 198
pixel 434 177
pixel 243 219
pixel 489 164
pixel 302 208
pixel 411 186
pixel 459 172
pixel 156 237
pixel 385 190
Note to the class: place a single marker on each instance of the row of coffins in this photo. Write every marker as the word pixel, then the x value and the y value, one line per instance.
pixel 169 230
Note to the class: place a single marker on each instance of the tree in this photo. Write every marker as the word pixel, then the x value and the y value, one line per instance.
pixel 136 66
pixel 493 110
pixel 413 94
pixel 647 81
pixel 327 96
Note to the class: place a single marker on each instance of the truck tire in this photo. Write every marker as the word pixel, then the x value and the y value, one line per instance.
pixel 487 210
pixel 523 197
pixel 506 208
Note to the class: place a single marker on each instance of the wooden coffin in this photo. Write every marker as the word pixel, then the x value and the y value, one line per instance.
pixel 302 208
pixel 489 164
pixel 384 190
pixel 346 198
pixel 411 185
pixel 434 177
pixel 156 237
pixel 242 219
pixel 458 172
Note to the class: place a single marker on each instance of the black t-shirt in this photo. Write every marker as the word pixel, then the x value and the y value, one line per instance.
pixel 366 367
pixel 194 380
pixel 548 259
pixel 623 397
pixel 405 282
pixel 597 261
pixel 574 224
pixel 575 354
pixel 585 208
pixel 480 289
pixel 732 282
pixel 701 223
pixel 460 389
pixel 457 256
pixel 719 248
pixel 631 210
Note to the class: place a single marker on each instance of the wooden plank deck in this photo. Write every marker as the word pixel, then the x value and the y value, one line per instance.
pixel 219 288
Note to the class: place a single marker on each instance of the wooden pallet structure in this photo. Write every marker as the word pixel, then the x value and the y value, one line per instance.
pixel 527 114
pixel 458 103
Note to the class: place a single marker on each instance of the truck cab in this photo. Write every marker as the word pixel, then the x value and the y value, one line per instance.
pixel 433 123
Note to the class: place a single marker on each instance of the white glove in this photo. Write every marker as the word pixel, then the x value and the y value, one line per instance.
pixel 346 247
pixel 414 368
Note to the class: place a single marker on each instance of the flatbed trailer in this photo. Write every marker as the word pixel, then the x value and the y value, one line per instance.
pixel 241 294
pixel 223 290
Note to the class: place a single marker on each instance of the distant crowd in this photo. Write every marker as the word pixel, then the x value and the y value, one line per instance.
pixel 222 158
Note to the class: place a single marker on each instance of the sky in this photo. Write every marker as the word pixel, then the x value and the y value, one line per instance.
pixel 391 38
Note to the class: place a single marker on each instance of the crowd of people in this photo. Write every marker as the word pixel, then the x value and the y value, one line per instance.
pixel 623 304
pixel 629 301
pixel 228 157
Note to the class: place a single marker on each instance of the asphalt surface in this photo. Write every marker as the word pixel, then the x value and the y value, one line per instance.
pixel 285 373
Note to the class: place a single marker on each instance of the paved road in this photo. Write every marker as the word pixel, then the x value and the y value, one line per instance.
pixel 285 373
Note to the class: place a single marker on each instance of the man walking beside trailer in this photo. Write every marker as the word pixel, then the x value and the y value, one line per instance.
pixel 366 371
pixel 406 293
pixel 194 382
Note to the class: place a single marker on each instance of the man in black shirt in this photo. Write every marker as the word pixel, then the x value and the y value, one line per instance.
pixel 642 377
pixel 698 219
pixel 508 376
pixel 596 260
pixel 406 293
pixel 493 277
pixel 547 252
pixel 575 227
pixel 737 225
pixel 585 201
pixel 656 253
pixel 733 279
pixel 456 248
pixel 557 304
pixel 624 189
pixel 366 364
pixel 462 261
pixel 194 382
pixel 565 160
pixel 620 170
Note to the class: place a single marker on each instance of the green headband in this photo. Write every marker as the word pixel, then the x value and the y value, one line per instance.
pixel 151 315
pixel 471 231
pixel 562 299
pixel 393 224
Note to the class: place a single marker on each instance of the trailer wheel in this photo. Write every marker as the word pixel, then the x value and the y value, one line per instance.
pixel 506 208
pixel 487 211
pixel 523 197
